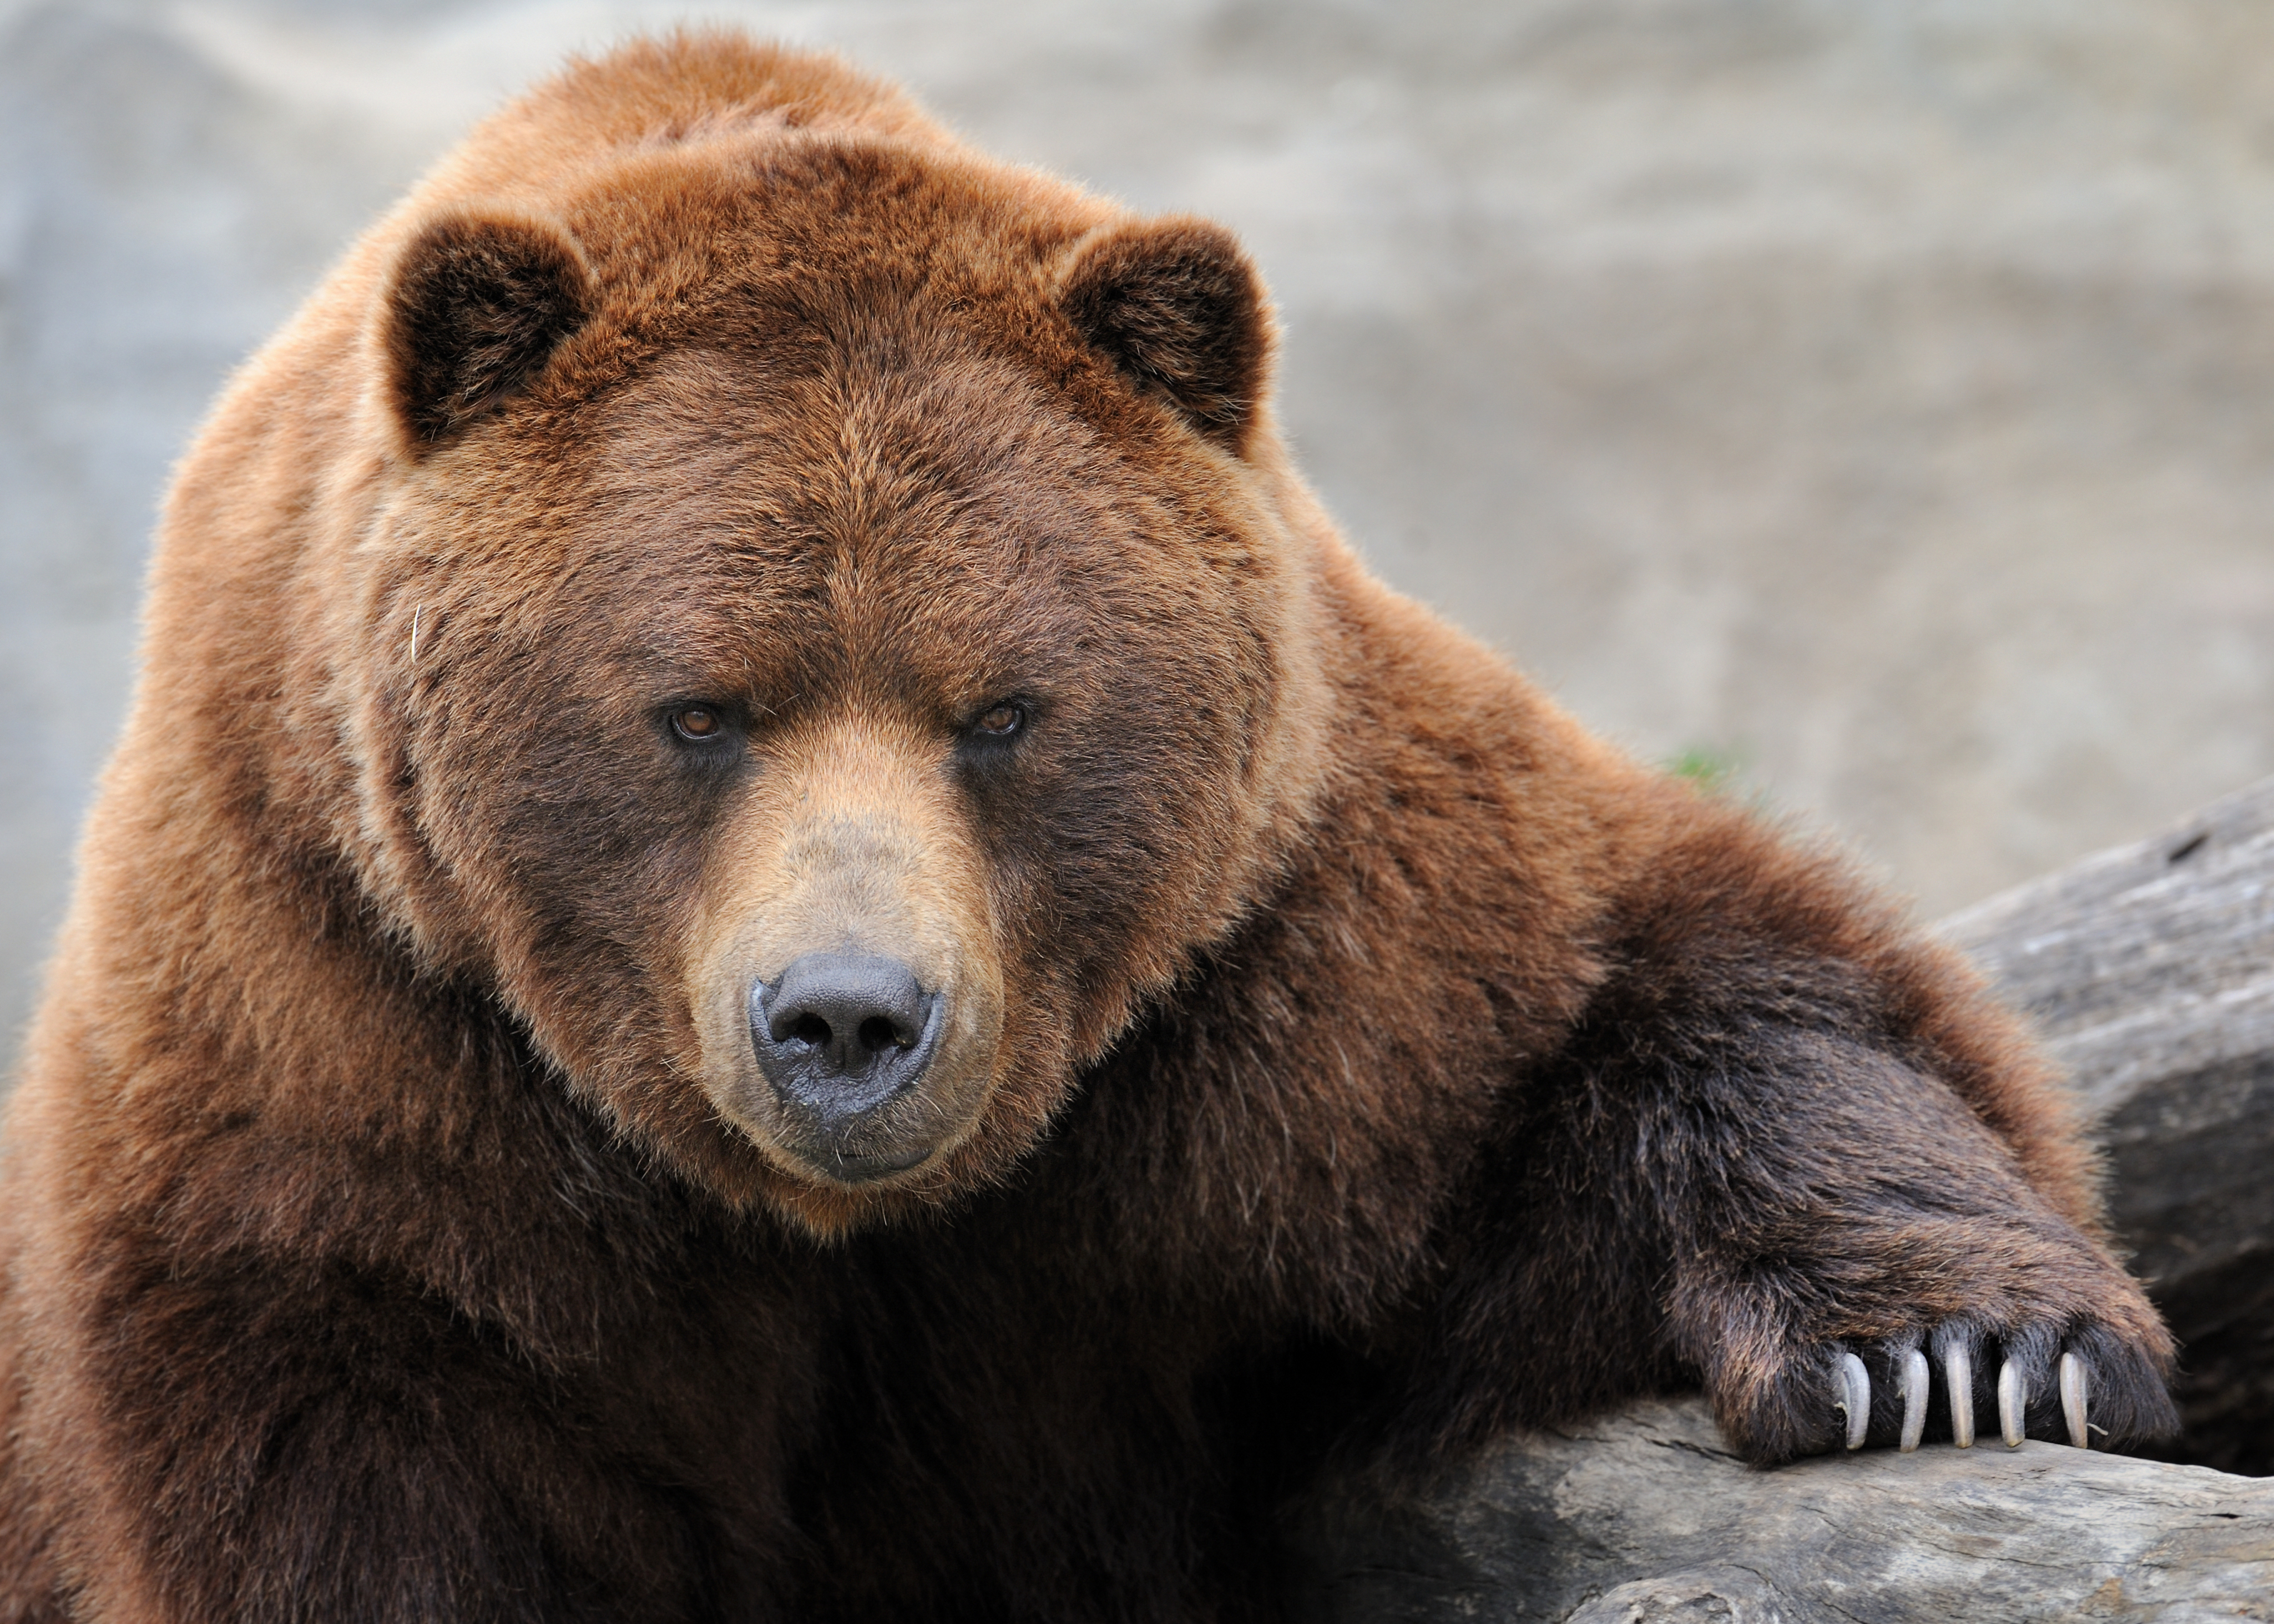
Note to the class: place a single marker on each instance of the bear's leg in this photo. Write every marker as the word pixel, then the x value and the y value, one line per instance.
pixel 1832 1238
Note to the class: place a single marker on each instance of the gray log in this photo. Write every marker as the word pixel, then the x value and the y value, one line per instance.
pixel 2150 971
pixel 1645 1517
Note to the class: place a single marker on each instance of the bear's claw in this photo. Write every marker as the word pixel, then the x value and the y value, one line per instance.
pixel 1916 1381
pixel 2075 1384
pixel 1852 1397
pixel 1855 1398
pixel 2012 1396
pixel 1958 1378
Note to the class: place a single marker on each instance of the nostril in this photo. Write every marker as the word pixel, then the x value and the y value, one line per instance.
pixel 814 1030
pixel 877 1034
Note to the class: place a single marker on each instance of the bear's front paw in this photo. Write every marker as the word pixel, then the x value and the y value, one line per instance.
pixel 2093 1374
pixel 2075 1382
pixel 2026 1398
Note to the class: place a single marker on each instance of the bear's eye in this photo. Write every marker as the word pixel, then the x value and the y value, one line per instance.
pixel 697 723
pixel 1000 721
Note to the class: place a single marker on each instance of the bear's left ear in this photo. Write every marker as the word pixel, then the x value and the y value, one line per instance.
pixel 477 307
pixel 1180 310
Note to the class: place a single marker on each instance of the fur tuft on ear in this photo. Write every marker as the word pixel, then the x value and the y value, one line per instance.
pixel 1178 307
pixel 477 307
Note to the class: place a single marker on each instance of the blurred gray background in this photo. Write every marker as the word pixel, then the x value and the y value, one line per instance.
pixel 1874 397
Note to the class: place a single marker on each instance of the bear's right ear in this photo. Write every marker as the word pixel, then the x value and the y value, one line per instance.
pixel 1178 308
pixel 477 307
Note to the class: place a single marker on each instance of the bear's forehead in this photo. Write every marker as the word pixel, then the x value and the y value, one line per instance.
pixel 953 459
pixel 837 332
pixel 919 519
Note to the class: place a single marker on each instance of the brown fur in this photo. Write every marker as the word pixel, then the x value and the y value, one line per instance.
pixel 1348 1051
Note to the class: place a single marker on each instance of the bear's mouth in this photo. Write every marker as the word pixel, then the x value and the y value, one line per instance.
pixel 853 1168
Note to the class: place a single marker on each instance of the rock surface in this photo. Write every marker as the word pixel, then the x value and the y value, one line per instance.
pixel 1645 1516
pixel 1878 395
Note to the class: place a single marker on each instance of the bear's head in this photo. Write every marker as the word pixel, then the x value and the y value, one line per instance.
pixel 831 640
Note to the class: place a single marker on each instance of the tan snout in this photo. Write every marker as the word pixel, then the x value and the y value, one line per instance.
pixel 851 996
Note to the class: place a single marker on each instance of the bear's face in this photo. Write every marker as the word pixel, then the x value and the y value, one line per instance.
pixel 825 730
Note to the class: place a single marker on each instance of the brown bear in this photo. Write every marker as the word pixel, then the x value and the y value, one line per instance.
pixel 781 936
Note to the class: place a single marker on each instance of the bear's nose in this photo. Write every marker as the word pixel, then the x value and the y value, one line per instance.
pixel 840 1034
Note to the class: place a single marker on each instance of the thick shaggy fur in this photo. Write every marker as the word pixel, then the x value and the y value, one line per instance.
pixel 1348 1052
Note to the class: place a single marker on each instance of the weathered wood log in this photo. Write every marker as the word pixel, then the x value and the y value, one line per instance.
pixel 1646 1516
pixel 2150 971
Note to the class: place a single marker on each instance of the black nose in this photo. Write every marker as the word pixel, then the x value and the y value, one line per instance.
pixel 841 1033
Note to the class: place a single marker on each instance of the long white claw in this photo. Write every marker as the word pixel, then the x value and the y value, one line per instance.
pixel 1958 1376
pixel 2075 1383
pixel 1855 1398
pixel 1915 1381
pixel 2013 1401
